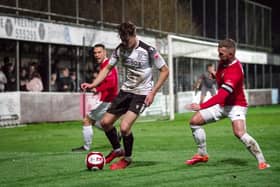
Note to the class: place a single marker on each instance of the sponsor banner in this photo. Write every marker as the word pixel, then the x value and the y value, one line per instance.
pixel 38 31
pixel 9 108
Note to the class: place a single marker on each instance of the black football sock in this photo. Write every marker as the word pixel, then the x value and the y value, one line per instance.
pixel 113 137
pixel 128 144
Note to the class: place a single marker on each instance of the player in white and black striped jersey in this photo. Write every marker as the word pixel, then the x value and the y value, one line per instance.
pixel 137 92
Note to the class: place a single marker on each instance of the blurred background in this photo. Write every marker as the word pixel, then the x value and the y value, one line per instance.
pixel 52 40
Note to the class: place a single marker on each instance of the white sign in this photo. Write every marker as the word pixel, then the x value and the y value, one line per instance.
pixel 39 31
pixel 9 108
pixel 202 50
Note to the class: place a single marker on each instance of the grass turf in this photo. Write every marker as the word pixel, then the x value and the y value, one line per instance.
pixel 40 154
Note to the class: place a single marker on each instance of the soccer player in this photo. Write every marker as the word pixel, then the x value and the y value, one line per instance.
pixel 108 90
pixel 229 102
pixel 137 91
pixel 207 82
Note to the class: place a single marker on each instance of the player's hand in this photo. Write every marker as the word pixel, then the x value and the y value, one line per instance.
pixel 193 106
pixel 84 86
pixel 94 91
pixel 149 99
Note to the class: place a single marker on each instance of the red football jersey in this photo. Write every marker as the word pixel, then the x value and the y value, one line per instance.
pixel 231 78
pixel 109 86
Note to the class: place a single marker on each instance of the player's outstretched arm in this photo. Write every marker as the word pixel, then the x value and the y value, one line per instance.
pixel 163 75
pixel 100 77
pixel 219 98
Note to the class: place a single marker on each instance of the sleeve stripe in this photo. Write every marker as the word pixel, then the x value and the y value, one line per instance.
pixel 227 88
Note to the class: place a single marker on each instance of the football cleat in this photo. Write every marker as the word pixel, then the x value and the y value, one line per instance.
pixel 121 164
pixel 114 154
pixel 79 149
pixel 263 165
pixel 197 158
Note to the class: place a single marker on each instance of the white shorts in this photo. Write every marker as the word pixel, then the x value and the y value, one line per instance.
pixel 217 112
pixel 97 113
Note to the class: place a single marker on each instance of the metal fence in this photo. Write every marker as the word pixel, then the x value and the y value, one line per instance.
pixel 247 22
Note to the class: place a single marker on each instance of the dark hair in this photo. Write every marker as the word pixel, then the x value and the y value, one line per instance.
pixel 99 45
pixel 209 65
pixel 227 43
pixel 35 74
pixel 126 29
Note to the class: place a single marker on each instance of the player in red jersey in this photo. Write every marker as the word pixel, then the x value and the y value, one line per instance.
pixel 229 102
pixel 108 89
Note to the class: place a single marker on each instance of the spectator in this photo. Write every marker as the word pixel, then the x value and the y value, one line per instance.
pixel 35 84
pixel 11 77
pixel 73 76
pixel 23 79
pixel 3 80
pixel 6 65
pixel 53 82
pixel 206 82
pixel 33 67
pixel 65 83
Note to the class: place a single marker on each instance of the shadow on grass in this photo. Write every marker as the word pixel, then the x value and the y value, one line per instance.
pixel 143 163
pixel 233 161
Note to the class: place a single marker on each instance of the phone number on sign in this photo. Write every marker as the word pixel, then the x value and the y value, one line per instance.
pixel 25 34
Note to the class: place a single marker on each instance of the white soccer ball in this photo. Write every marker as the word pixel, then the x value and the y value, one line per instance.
pixel 95 161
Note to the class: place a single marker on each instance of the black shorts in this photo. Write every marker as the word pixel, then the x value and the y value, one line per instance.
pixel 126 101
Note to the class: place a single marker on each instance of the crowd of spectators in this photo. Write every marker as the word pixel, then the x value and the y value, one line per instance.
pixel 30 78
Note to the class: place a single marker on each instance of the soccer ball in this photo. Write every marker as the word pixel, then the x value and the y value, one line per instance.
pixel 95 161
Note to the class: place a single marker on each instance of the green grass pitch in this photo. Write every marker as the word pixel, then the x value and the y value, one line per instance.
pixel 40 155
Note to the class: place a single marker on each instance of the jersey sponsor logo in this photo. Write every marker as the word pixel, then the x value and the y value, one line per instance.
pixel 133 63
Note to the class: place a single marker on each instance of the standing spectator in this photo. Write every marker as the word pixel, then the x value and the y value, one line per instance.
pixel 23 79
pixel 35 84
pixel 6 65
pixel 11 77
pixel 53 82
pixel 206 82
pixel 32 68
pixel 74 80
pixel 3 80
pixel 65 83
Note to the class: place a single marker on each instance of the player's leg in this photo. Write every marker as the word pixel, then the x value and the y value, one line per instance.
pixel 135 107
pixel 197 121
pixel 199 136
pixel 111 132
pixel 118 107
pixel 128 139
pixel 212 91
pixel 239 129
pixel 92 119
pixel 203 94
pixel 237 114
pixel 87 134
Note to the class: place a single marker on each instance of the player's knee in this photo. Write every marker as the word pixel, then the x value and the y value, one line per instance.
pixel 238 134
pixel 105 124
pixel 86 121
pixel 125 128
pixel 196 120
